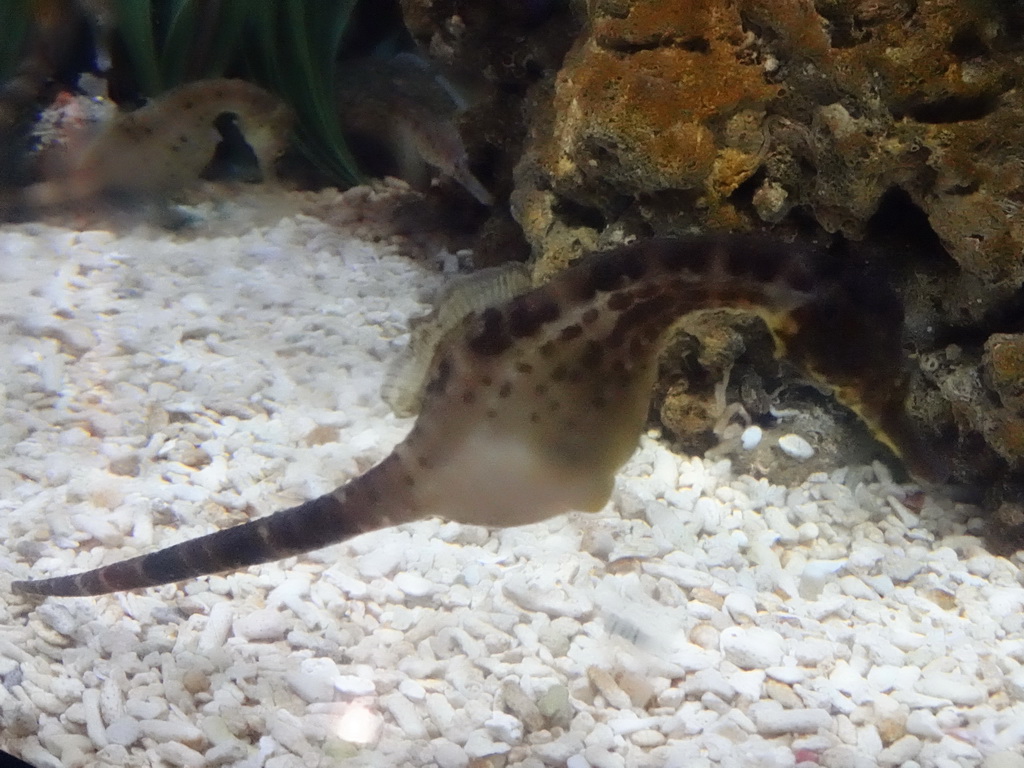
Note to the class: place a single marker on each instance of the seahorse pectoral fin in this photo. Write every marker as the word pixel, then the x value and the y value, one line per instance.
pixel 407 375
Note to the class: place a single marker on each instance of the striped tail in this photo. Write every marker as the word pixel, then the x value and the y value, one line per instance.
pixel 373 500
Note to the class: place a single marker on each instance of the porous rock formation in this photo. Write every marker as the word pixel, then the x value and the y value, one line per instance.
pixel 891 132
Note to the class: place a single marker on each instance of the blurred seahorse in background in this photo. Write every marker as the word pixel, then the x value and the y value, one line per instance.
pixel 160 149
pixel 405 102
pixel 529 404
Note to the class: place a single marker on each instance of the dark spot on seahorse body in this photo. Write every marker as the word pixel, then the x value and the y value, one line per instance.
pixel 486 381
pixel 547 348
pixel 528 313
pixel 620 301
pixel 590 316
pixel 505 390
pixel 525 368
pixel 570 332
pixel 468 397
pixel 618 335
pixel 423 462
pixel 554 405
pixel 558 373
pixel 493 338
pixel 540 389
pixel 651 333
pixel 491 413
pixel 593 352
pixel 534 417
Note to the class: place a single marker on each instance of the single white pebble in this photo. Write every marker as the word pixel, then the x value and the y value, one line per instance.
pixel 787 675
pixel 740 606
pixel 779 722
pixel 479 745
pixel 93 720
pixel 180 755
pixel 807 532
pixel 265 625
pixel 447 754
pixel 665 472
pixel 795 447
pixel 406 716
pixel 923 724
pixel 752 647
pixel 1005 759
pixel 313 680
pixel 413 584
pixel 777 520
pixel 217 629
pixel 504 726
pixel 412 690
pixel 751 437
pixel 854 587
pixel 124 731
pixel 352 685
pixel 815 575
pixel 173 731
pixel 577 761
pixel 710 511
pixel 900 752
pixel 960 689
pixel 648 738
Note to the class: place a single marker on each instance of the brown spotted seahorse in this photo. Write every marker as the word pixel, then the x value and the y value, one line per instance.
pixel 532 404
pixel 161 148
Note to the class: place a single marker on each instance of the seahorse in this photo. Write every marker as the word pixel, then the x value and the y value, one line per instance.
pixel 529 405
pixel 163 147
pixel 408 104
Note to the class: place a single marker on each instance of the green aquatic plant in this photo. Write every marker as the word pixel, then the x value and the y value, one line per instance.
pixel 174 41
pixel 298 44
pixel 15 19
pixel 294 53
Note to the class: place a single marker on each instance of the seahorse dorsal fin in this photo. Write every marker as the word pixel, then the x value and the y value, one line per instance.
pixel 407 375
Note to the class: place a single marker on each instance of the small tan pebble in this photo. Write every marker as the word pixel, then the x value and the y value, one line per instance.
pixel 609 688
pixel 704 635
pixel 783 694
pixel 708 597
pixel 648 738
pixel 195 681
